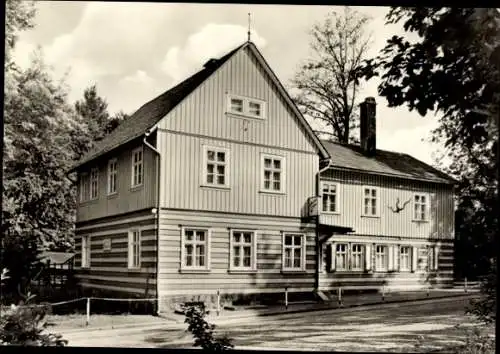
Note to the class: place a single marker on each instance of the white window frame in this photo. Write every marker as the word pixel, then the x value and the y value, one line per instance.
pixel 302 266
pixel 138 164
pixel 134 249
pixel 420 204
pixel 207 242
pixel 246 101
pixel 336 254
pixel 94 178
pixel 361 254
pixel 282 171
pixel 377 201
pixel 112 176
pixel 325 184
pixel 408 255
pixel 84 186
pixel 86 250
pixel 253 252
pixel 385 266
pixel 226 164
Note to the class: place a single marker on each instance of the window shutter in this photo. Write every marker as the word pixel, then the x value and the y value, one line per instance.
pixel 436 257
pixel 130 245
pixel 414 257
pixel 368 257
pixel 396 258
pixel 333 256
pixel 390 265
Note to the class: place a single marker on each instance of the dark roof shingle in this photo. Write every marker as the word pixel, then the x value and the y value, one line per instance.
pixel 153 111
pixel 384 162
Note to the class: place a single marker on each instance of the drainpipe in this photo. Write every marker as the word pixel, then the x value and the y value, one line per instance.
pixel 318 244
pixel 157 213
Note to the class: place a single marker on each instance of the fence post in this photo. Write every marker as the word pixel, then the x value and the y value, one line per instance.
pixel 465 284
pixel 88 312
pixel 339 293
pixel 218 302
pixel 286 298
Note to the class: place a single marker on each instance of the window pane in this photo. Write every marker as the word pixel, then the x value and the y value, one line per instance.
pixel 189 235
pixel 374 192
pixel 276 186
pixel 267 163
pixel 277 176
pixel 332 203
pixel 297 240
pixel 247 237
pixel 277 164
pixel 210 168
pixel 288 260
pixel 237 105
pixel 210 178
pixel 210 155
pixel 200 236
pixel 236 237
pixel 267 184
pixel 325 202
pixel 201 261
pixel 221 180
pixel 288 240
pixel 367 191
pixel 247 262
pixel 254 108
pixel 267 175
pixel 221 169
pixel 221 156
pixel 247 251
pixel 422 199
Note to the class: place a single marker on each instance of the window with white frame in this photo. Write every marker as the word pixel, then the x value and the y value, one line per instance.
pixel 86 251
pixel 137 167
pixel 370 201
pixel 330 197
pixel 420 207
pixel 84 187
pixel 357 257
pixel 341 256
pixel 405 259
pixel 381 258
pixel 243 250
pixel 195 249
pixel 94 183
pixel 112 175
pixel 293 252
pixel 250 107
pixel 216 163
pixel 272 173
pixel 134 249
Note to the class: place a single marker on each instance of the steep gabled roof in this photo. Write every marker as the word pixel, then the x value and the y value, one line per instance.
pixel 383 162
pixel 152 112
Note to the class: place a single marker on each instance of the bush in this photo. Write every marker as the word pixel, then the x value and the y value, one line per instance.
pixel 485 308
pixel 202 331
pixel 25 324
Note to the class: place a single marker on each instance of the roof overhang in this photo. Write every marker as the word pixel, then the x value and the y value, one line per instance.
pixel 328 231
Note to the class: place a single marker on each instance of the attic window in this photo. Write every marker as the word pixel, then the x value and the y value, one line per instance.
pixel 246 106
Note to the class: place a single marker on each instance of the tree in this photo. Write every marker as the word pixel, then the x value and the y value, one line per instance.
pixel 19 16
pixel 38 199
pixel 328 83
pixel 453 68
pixel 94 111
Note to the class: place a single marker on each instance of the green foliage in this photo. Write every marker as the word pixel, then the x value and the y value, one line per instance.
pixel 485 309
pixel 202 331
pixel 19 16
pixel 448 62
pixel 93 109
pixel 25 324
pixel 328 82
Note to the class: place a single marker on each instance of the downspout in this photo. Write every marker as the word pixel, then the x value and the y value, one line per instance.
pixel 318 244
pixel 157 213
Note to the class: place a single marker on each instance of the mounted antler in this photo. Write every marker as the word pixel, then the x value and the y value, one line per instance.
pixel 399 208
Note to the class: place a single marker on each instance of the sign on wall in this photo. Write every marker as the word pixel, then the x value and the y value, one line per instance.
pixel 313 206
pixel 106 244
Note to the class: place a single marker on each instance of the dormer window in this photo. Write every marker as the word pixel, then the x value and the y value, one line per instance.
pixel 246 106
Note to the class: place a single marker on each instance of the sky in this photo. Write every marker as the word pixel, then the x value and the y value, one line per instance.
pixel 136 51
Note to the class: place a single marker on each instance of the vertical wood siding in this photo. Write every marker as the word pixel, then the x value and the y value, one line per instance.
pixel 182 176
pixel 268 277
pixel 441 222
pixel 109 268
pixel 204 111
pixel 127 199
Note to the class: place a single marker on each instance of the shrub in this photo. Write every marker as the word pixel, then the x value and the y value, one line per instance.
pixel 25 324
pixel 485 308
pixel 202 331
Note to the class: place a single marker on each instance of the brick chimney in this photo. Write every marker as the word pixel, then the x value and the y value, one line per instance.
pixel 368 126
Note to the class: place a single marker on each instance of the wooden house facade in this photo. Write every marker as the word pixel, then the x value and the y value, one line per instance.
pixel 208 188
